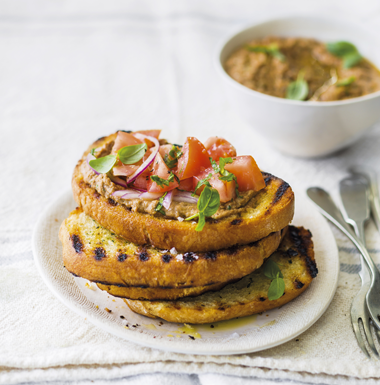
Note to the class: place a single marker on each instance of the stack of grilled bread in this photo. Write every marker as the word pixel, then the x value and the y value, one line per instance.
pixel 163 267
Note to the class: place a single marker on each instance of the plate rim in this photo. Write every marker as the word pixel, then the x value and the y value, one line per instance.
pixel 155 343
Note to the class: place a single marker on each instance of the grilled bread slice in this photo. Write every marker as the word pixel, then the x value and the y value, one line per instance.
pixel 95 253
pixel 155 293
pixel 249 295
pixel 267 211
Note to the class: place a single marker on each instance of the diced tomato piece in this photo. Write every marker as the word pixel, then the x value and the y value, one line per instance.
pixel 225 189
pixel 141 182
pixel 124 139
pixel 165 149
pixel 186 184
pixel 160 169
pixel 154 133
pixel 194 159
pixel 124 169
pixel 247 173
pixel 219 148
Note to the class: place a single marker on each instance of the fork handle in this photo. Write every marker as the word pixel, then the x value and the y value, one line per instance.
pixel 359 231
pixel 374 196
pixel 328 208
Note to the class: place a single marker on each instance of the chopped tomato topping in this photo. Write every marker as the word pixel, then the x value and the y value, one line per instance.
pixel 160 169
pixel 225 189
pixel 124 139
pixel 165 149
pixel 194 158
pixel 247 173
pixel 186 184
pixel 219 148
pixel 124 169
pixel 141 182
pixel 154 133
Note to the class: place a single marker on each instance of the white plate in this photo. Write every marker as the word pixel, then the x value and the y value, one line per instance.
pixel 244 335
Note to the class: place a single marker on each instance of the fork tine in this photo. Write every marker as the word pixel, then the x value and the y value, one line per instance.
pixel 368 334
pixel 359 338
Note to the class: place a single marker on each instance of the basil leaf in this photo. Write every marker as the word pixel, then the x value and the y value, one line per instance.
pixel 208 204
pixel 159 206
pixel 341 48
pixel 223 162
pixel 271 49
pixel 161 181
pixel 271 269
pixel 204 199
pixel 297 90
pixel 201 222
pixel 351 59
pixel 104 164
pixel 213 203
pixel 132 154
pixel 276 289
pixel 346 82
pixel 214 165
pixel 229 177
pixel 202 182
pixel 171 159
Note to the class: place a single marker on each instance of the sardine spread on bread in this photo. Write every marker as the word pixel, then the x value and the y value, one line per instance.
pixel 164 225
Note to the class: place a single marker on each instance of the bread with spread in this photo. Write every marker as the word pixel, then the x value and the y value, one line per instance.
pixel 178 230
pixel 246 213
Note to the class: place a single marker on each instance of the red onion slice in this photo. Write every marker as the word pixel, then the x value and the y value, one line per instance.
pixel 150 159
pixel 91 157
pixel 126 194
pixel 148 196
pixel 117 180
pixel 168 199
pixel 185 196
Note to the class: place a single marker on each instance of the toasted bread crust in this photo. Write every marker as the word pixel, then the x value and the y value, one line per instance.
pixel 270 210
pixel 94 253
pixel 158 293
pixel 248 296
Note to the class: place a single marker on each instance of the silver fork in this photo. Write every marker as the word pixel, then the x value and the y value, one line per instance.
pixel 354 192
pixel 328 208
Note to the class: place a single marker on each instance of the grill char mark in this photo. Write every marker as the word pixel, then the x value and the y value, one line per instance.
pixel 99 253
pixel 77 243
pixel 280 192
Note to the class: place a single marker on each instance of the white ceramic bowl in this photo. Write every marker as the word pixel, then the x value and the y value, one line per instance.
pixel 304 129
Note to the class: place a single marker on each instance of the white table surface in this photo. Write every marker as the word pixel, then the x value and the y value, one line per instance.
pixel 72 71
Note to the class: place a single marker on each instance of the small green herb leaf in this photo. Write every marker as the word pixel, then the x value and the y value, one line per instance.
pixel 93 151
pixel 346 82
pixel 351 60
pixel 214 165
pixel 104 164
pixel 159 206
pixel 341 48
pixel 347 51
pixel 276 289
pixel 202 182
pixel 271 49
pixel 299 89
pixel 132 154
pixel 208 204
pixel 213 202
pixel 222 163
pixel 161 181
pixel 171 159
pixel 271 269
pixel 201 222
